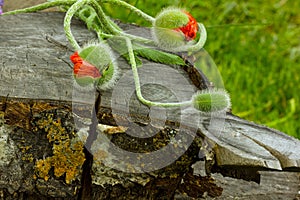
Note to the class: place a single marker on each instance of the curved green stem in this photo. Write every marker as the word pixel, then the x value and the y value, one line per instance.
pixel 67 22
pixel 90 17
pixel 132 8
pixel 107 23
pixel 138 86
pixel 138 38
pixel 42 6
pixel 202 39
pixel 115 29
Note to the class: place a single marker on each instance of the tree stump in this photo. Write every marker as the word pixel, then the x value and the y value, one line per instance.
pixel 59 141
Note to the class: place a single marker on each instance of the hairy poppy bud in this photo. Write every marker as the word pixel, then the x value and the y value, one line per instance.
pixel 84 72
pixel 95 64
pixel 211 101
pixel 174 29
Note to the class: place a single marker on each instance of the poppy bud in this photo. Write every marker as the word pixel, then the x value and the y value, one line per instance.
pixel 211 101
pixel 84 72
pixel 95 64
pixel 174 29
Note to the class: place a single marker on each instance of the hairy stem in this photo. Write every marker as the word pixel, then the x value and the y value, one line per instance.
pixel 67 22
pixel 42 6
pixel 132 8
pixel 138 86
pixel 107 23
pixel 138 38
pixel 115 29
pixel 202 39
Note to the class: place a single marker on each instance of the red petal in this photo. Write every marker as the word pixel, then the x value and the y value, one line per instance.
pixel 86 69
pixel 75 58
pixel 82 68
pixel 190 30
pixel 76 67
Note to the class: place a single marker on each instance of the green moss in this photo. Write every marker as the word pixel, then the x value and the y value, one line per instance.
pixel 68 156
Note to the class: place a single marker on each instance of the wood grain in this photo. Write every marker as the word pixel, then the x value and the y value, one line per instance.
pixel 36 78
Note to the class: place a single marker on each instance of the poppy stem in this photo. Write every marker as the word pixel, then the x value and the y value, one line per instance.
pixel 67 22
pixel 203 36
pixel 138 86
pixel 113 28
pixel 42 6
pixel 106 22
pixel 132 8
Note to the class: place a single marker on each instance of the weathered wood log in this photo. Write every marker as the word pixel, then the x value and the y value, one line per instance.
pixel 58 141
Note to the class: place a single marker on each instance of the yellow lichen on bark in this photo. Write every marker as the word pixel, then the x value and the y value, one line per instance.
pixel 68 156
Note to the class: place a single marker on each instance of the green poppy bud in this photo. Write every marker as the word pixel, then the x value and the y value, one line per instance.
pixel 211 100
pixel 174 29
pixel 95 64
pixel 85 73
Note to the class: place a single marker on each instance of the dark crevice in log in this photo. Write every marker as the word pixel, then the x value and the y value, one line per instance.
pixel 239 172
pixel 86 180
pixel 292 169
pixel 92 130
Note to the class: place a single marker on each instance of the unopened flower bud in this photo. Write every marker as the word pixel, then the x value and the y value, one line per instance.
pixel 174 29
pixel 84 72
pixel 95 64
pixel 211 101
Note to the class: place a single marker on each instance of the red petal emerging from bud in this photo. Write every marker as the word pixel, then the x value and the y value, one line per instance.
pixel 83 68
pixel 75 58
pixel 190 30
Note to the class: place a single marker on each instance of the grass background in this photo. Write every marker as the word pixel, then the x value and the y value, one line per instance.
pixel 255 45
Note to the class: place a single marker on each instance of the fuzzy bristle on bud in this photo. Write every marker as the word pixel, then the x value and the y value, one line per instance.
pixel 211 101
pixel 174 29
pixel 98 54
pixel 101 56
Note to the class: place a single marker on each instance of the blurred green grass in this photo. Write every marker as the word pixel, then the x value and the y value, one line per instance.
pixel 256 46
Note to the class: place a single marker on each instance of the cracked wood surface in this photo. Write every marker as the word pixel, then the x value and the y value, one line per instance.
pixel 36 75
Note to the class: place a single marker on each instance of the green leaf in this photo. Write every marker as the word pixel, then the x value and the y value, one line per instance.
pixel 147 52
pixel 158 56
pixel 138 61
